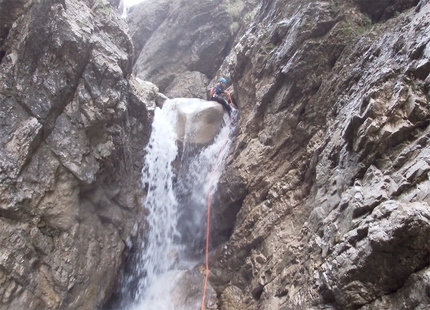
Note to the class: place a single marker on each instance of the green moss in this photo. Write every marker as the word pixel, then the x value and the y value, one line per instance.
pixel 367 22
pixel 305 25
pixel 355 29
pixel 103 6
pixel 234 26
pixel 334 6
pixel 107 9
pixel 250 15
pixel 267 48
pixel 234 7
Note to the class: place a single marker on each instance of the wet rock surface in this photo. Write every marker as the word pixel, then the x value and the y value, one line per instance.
pixel 199 121
pixel 330 164
pixel 324 200
pixel 72 131
pixel 188 292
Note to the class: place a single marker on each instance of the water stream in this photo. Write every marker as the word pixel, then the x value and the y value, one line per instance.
pixel 177 178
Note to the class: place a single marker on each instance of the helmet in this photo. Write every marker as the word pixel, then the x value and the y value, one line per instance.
pixel 222 80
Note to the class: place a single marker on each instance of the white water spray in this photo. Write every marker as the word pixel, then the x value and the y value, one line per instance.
pixel 177 187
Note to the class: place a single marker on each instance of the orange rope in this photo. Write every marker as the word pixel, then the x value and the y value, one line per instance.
pixel 228 91
pixel 209 218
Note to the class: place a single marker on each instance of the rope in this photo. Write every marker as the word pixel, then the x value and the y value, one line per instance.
pixel 209 217
pixel 228 91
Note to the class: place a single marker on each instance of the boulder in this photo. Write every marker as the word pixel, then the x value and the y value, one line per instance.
pixel 147 92
pixel 188 85
pixel 199 121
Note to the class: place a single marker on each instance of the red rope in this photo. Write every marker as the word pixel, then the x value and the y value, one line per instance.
pixel 209 218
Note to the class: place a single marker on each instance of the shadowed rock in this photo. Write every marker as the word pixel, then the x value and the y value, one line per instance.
pixel 71 132
pixel 176 38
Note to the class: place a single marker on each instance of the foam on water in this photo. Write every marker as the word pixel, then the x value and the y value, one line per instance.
pixel 176 203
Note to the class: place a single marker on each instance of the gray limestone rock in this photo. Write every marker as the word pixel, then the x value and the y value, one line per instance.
pixel 333 129
pixel 178 38
pixel 199 121
pixel 188 85
pixel 144 19
pixel 68 184
pixel 391 243
pixel 324 200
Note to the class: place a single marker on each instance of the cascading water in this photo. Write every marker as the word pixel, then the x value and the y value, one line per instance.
pixel 177 186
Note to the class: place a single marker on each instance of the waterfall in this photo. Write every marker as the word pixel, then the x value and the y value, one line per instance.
pixel 177 178
pixel 124 6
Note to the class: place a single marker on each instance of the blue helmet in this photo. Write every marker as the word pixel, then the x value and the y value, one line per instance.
pixel 222 80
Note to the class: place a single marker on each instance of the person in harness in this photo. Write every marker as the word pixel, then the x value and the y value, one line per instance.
pixel 218 94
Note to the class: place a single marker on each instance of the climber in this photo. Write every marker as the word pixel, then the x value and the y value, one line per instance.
pixel 218 94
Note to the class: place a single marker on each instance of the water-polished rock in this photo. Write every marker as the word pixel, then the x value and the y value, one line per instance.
pixel 199 121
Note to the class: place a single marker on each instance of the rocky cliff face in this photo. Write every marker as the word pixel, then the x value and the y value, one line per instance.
pixel 181 44
pixel 72 128
pixel 330 167
pixel 324 201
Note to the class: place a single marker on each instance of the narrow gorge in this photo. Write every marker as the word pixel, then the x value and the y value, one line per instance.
pixel 108 146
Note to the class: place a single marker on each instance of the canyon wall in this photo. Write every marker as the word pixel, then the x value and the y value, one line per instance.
pixel 180 45
pixel 330 169
pixel 324 199
pixel 73 126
